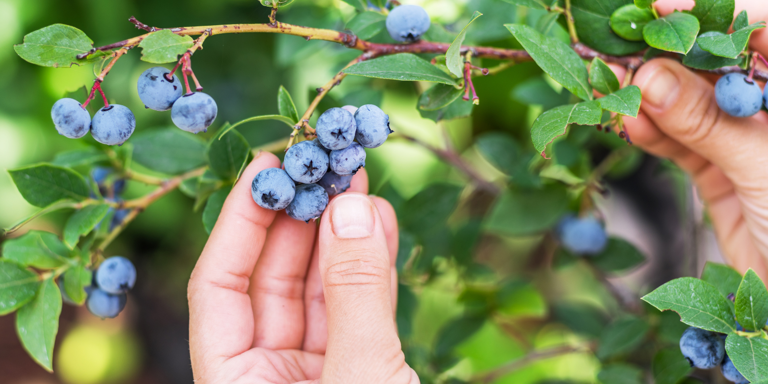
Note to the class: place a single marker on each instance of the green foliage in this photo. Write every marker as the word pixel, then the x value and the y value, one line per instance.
pixel 18 286
pixel 625 101
pixel 749 355
pixel 227 155
pixel 402 67
pixel 593 25
pixel 729 46
pixel 618 256
pixel 45 184
pixel 213 208
pixel 622 336
pixel 554 123
pixel 286 106
pixel 453 56
pixel 714 15
pixel 75 281
pixel 698 58
pixel 673 33
pixel 55 46
pixel 698 303
pixel 620 374
pixel 438 97
pixel 670 367
pixel 168 151
pixel 83 222
pixel 41 250
pixel 722 277
pixel 522 212
pixel 602 78
pixel 37 323
pixel 164 46
pixel 367 24
pixel 628 21
pixel 752 302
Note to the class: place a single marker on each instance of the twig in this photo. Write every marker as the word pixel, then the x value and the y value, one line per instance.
pixel 571 23
pixel 491 376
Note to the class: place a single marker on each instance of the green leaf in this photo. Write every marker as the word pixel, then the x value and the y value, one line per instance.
pixel 626 101
pixel 367 24
pixel 714 15
pixel 700 59
pixel 407 304
pixel 17 286
pixel 673 33
pixel 742 21
pixel 698 303
pixel 752 302
pixel 227 154
pixel 722 277
pixel 602 77
pixel 524 212
pixel 37 324
pixel 622 336
pixel 83 222
pixel 77 157
pixel 168 151
pixel 271 3
pixel 164 46
pixel 42 250
pixel 213 208
pixel 593 25
pixel 55 46
pixel 581 318
pixel 286 106
pixel 556 58
pixel 360 5
pixel 537 4
pixel 430 208
pixel 619 255
pixel 729 46
pixel 644 3
pixel 501 150
pixel 537 91
pixel 75 280
pixel 453 55
pixel 456 331
pixel 439 96
pixel 554 123
pixel 628 21
pixel 546 23
pixel 457 109
pixel 620 373
pixel 402 67
pixel 43 184
pixel 749 355
pixel 669 366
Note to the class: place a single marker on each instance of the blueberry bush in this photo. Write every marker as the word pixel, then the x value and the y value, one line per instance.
pixel 540 187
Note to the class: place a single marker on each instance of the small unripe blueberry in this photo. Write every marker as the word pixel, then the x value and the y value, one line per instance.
pixel 407 23
pixel 113 125
pixel 70 119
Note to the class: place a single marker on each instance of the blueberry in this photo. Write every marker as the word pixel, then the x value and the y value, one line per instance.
pixel 348 160
pixel 194 112
pixel 99 174
pixel 336 128
pixel 582 236
pixel 273 189
pixel 372 126
pixel 155 91
pixel 317 142
pixel 118 218
pixel 703 349
pixel 105 305
pixel 765 96
pixel 70 118
pixel 305 162
pixel 407 23
pixel 731 373
pixel 309 203
pixel 116 275
pixel 334 183
pixel 738 96
pixel 113 125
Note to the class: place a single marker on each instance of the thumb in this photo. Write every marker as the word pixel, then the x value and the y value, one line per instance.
pixel 354 264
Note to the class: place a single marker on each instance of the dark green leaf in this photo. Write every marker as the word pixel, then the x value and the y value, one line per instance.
pixel 622 336
pixel 698 303
pixel 76 279
pixel 367 24
pixel 669 366
pixel 501 150
pixel 581 318
pixel 644 3
pixel 546 24
pixel 405 249
pixel 439 96
pixel 17 286
pixel 538 91
pixel 407 304
pixel 625 101
pixel 456 331
pixel 464 241
pixel 523 212
pixel 55 46
pixel 227 154
pixel 619 255
pixel 430 208
pixel 700 59
pixel 602 77
pixel 673 33
pixel 170 151
pixel 628 21
pixel 213 208
pixel 554 123
pixel 457 109
pixel 43 184
pixel 402 67
pixel 42 250
pixel 752 302
pixel 537 4
pixel 164 46
pixel 37 324
pixel 714 15
pixel 669 328
pixel 722 277
pixel 83 222
pixel 749 355
pixel 620 373
pixel 729 46
pixel 556 58
pixel 592 19
pixel 742 21
pixel 453 58
pixel 286 106
pixel 79 157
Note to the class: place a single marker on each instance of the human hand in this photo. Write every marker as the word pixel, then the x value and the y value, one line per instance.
pixel 725 156
pixel 277 300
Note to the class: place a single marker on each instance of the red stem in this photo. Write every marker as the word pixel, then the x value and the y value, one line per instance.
pixel 92 95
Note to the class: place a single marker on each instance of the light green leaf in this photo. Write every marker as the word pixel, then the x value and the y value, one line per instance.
pixel 360 5
pixel 226 154
pixel 457 109
pixel 43 184
pixel 593 26
pixel 752 302
pixel 367 24
pixel 714 15
pixel 456 331
pixel 644 3
pixel 76 279
pixel 673 33
pixel 286 106
pixel 629 21
pixel 556 58
pixel 547 22
pixel 602 77
pixel 439 96
pixel 402 67
pixel 213 208
pixel 700 59
pixel 625 101
pixel 55 46
pixel 42 250
pixel 749 355
pixel 698 303
pixel 37 324
pixel 77 157
pixel 729 46
pixel 722 277
pixel 524 212
pixel 286 120
pixel 453 55
pixel 669 366
pixel 742 21
pixel 17 286
pixel 620 373
pixel 164 46
pixel 83 222
pixel 168 151
pixel 554 123
pixel 622 336
pixel 537 4
pixel 619 255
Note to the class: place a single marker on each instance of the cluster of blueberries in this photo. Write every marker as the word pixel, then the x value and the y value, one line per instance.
pixel 317 169
pixel 107 294
pixel 706 350
pixel 114 124
pixel 583 236
pixel 740 96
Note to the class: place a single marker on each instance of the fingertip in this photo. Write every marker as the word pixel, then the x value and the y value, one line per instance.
pixel 359 182
pixel 389 222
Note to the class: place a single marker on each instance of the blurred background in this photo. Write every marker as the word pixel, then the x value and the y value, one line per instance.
pixel 650 203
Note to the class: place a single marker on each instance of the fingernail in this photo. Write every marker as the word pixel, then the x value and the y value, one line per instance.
pixel 661 88
pixel 352 216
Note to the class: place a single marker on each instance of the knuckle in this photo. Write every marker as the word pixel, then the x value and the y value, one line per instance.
pixel 703 117
pixel 356 270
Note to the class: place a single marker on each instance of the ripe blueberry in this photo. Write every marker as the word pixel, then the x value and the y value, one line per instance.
pixel 738 96
pixel 348 160
pixel 118 218
pixel 335 183
pixel 194 112
pixel 113 125
pixel 305 162
pixel 309 203
pixel 372 126
pixel 336 129
pixel 156 91
pixel 70 119
pixel 407 23
pixel 703 349
pixel 317 142
pixel 99 174
pixel 105 305
pixel 731 373
pixel 273 189
pixel 582 236
pixel 116 275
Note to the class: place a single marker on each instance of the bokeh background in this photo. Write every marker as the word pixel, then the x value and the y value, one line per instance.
pixel 650 202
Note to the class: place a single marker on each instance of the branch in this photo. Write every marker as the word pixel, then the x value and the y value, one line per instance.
pixel 533 357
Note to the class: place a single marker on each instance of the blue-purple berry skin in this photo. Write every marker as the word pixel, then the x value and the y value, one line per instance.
pixel 372 126
pixel 305 162
pixel 104 304
pixel 116 275
pixel 336 129
pixel 348 160
pixel 113 125
pixel 731 373
pixel 317 142
pixel 194 112
pixel 407 23
pixel 703 349
pixel 309 203
pixel 273 189
pixel 334 183
pixel 765 97
pixel 70 119
pixel 582 236
pixel 118 218
pixel 156 91
pixel 738 96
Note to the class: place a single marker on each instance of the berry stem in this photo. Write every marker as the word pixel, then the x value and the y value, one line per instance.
pixel 571 23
